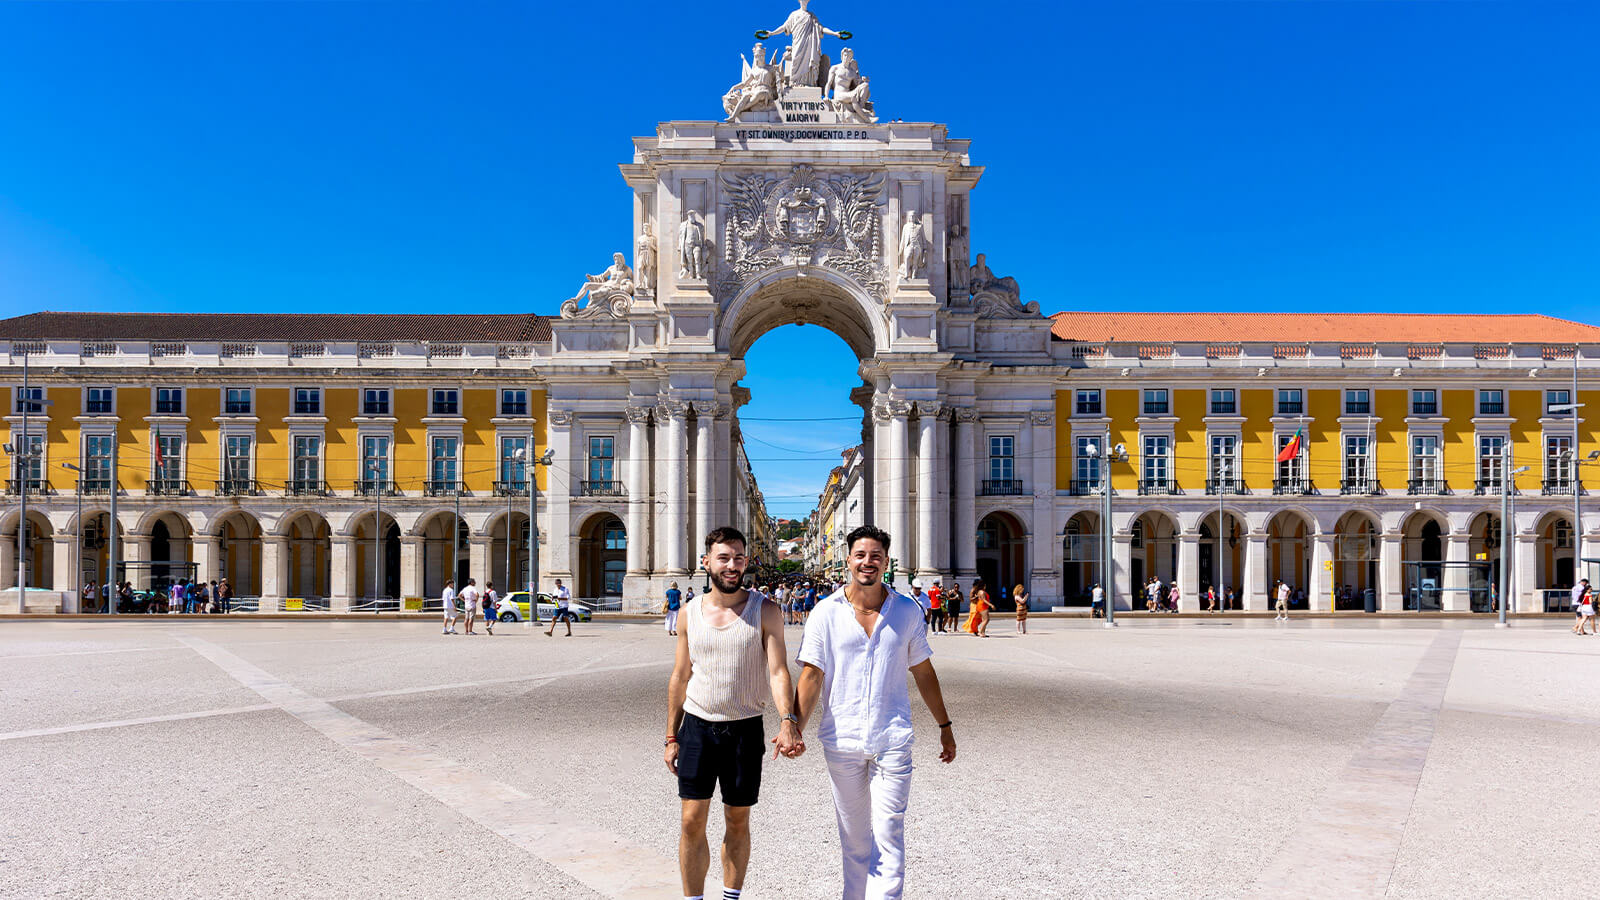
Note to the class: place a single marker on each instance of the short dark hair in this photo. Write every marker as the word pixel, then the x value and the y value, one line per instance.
pixel 866 531
pixel 727 534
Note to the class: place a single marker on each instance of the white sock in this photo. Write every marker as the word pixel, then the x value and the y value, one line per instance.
pixel 731 893
pixel 696 897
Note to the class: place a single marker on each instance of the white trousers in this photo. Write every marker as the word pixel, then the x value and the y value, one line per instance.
pixel 869 798
pixel 672 620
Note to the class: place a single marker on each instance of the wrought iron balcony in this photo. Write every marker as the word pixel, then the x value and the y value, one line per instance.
pixel 307 487
pixel 94 486
pixel 1368 487
pixel 601 488
pixel 1084 488
pixel 1489 487
pixel 1293 487
pixel 370 487
pixel 238 487
pixel 511 488
pixel 1216 486
pixel 168 487
pixel 1560 487
pixel 34 486
pixel 1149 487
pixel 1001 487
pixel 441 488
pixel 1418 486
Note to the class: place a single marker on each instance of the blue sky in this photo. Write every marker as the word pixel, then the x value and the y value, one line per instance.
pixel 369 156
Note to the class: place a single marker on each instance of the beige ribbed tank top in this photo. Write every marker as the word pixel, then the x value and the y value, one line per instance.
pixel 728 680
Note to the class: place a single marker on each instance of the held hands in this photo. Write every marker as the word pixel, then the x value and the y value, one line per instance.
pixel 789 743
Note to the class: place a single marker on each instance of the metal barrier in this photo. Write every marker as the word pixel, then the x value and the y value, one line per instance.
pixel 376 605
pixel 1557 600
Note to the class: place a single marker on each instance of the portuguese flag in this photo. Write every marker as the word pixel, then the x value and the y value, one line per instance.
pixel 1292 449
pixel 161 461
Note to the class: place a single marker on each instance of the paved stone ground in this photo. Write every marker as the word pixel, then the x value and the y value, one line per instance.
pixel 153 758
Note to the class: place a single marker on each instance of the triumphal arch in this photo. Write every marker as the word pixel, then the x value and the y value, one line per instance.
pixel 803 202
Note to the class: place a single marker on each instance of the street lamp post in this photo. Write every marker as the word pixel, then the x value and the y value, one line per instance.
pixel 1507 510
pixel 78 530
pixel 530 469
pixel 1111 454
pixel 375 469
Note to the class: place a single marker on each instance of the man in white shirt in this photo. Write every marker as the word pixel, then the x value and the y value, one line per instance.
pixel 1282 605
pixel 469 603
pixel 563 609
pixel 449 600
pixel 859 644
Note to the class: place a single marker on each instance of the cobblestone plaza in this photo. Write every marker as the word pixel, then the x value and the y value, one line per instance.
pixel 1165 758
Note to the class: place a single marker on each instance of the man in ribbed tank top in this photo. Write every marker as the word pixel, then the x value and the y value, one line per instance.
pixel 730 641
pixel 859 646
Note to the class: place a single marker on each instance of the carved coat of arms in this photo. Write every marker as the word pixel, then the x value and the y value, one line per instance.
pixel 804 219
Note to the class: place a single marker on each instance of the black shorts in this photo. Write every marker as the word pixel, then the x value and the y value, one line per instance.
pixel 726 752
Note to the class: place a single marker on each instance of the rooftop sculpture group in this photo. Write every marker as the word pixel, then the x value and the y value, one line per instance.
pixel 802 73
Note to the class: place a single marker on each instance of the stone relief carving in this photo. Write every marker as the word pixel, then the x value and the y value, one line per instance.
pixel 966 414
pixel 638 415
pixel 644 261
pixel 757 89
pixel 931 408
pixel 561 417
pixel 671 409
pixel 900 408
pixel 880 411
pixel 1041 418
pixel 848 91
pixel 804 219
pixel 913 248
pixel 709 409
pixel 610 293
pixel 693 248
pixel 999 298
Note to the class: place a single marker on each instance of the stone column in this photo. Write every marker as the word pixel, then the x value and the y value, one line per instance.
pixel 210 553
pixel 941 493
pixel 1121 572
pixel 1045 554
pixel 862 397
pixel 1253 589
pixel 274 570
pixel 8 562
pixel 1525 576
pixel 64 571
pixel 478 558
pixel 965 514
pixel 1391 590
pixel 900 481
pixel 638 485
pixel 705 451
pixel 927 500
pixel 561 556
pixel 411 573
pixel 1456 577
pixel 671 546
pixel 1321 599
pixel 342 571
pixel 1188 572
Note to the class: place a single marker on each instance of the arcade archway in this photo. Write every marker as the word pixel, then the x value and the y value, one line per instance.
pixel 1002 544
pixel 602 557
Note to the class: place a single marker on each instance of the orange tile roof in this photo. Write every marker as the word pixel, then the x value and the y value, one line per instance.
pixel 1334 327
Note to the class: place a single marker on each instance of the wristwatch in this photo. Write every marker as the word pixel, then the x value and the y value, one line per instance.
pixel 791 717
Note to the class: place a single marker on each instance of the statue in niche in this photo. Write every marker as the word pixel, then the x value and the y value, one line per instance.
pixel 913 248
pixel 847 90
pixel 644 259
pixel 610 292
pixel 806 62
pixel 692 247
pixel 757 88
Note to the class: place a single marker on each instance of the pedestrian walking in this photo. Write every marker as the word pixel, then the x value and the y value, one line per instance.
pixel 1282 605
pixel 1097 602
pixel 1020 597
pixel 1172 599
pixel 936 608
pixel 731 642
pixel 448 601
pixel 1211 598
pixel 952 602
pixel 469 598
pixel 921 600
pixel 1582 606
pixel 1229 601
pixel 564 609
pixel 673 602
pixel 225 595
pixel 491 605
pixel 978 618
pixel 862 690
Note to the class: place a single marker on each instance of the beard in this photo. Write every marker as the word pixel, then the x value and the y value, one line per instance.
pixel 728 582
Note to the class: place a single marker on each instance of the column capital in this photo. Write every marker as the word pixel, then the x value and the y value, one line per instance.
pixel 965 415
pixel 900 409
pixel 638 415
pixel 709 409
pixel 930 409
pixel 1042 418
pixel 671 409
pixel 561 417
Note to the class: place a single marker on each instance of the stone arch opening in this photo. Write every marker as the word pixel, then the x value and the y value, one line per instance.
pixel 1002 556
pixel 1356 551
pixel 434 552
pixel 1080 558
pixel 238 537
pixel 368 586
pixel 309 557
pixel 1289 556
pixel 811 295
pixel 1229 574
pixel 38 553
pixel 602 557
pixel 170 550
pixel 1555 557
pixel 508 562
pixel 1422 560
pixel 1153 552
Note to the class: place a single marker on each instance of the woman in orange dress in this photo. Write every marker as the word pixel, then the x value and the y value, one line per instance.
pixel 1020 598
pixel 978 619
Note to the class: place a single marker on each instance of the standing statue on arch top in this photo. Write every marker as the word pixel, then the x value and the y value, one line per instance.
pixel 806 62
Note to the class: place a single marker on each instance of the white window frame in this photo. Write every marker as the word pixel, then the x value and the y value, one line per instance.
pixel 295 434
pixel 1548 402
pixel 1082 460
pixel 459 459
pixel 294 401
pixel 1416 472
pixel 362 434
pixel 1411 404
pixel 388 402
pixel 250 394
pixel 1235 466
pixel 83 452
pixel 1556 473
pixel 460 402
pixel 500 402
pixel 1344 401
pixel 1166 457
pixel 1492 473
pixel 99 387
pixel 43 400
pixel 183 453
pixel 1365 480
pixel 1277 402
pixel 155 401
pixel 1145 413
pixel 223 436
pixel 1477 403
pixel 1291 471
pixel 1211 400
pixel 1100 401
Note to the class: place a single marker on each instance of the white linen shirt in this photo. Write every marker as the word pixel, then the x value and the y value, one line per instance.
pixel 866 699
